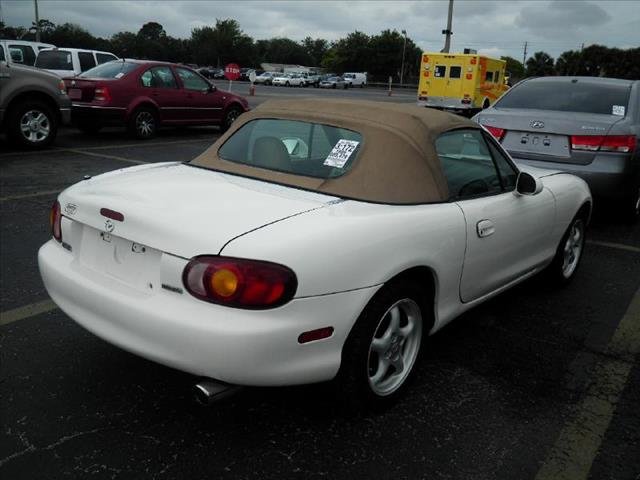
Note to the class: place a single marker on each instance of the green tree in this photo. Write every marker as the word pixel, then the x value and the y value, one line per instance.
pixel 540 65
pixel 315 49
pixel 70 35
pixel 386 56
pixel 570 63
pixel 152 31
pixel 222 44
pixel 514 68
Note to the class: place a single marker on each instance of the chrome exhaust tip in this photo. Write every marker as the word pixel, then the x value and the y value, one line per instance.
pixel 208 391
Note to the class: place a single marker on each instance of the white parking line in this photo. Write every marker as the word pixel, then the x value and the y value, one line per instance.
pixel 102 155
pixel 107 147
pixel 619 246
pixel 572 455
pixel 28 195
pixel 26 311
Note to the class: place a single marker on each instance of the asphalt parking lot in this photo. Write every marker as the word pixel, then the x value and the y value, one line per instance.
pixel 538 383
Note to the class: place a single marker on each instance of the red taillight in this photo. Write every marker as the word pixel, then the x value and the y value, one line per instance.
pixel 498 133
pixel 604 143
pixel 55 219
pixel 102 94
pixel 239 282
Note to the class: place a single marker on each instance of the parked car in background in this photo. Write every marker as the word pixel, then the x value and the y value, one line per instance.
pixel 587 126
pixel 266 78
pixel 356 79
pixel 254 264
pixel 207 72
pixel 21 51
pixel 33 103
pixel 244 73
pixel 334 82
pixel 67 62
pixel 281 80
pixel 144 95
pixel 312 79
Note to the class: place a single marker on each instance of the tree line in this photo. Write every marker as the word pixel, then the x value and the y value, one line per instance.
pixel 380 55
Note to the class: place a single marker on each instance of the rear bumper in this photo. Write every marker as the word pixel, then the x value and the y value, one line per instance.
pixel 236 346
pixel 445 103
pixel 108 116
pixel 609 176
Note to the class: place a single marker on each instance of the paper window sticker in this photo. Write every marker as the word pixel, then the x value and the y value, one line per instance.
pixel 618 110
pixel 341 153
pixel 119 75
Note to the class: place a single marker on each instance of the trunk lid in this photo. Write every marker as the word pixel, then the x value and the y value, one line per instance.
pixel 82 89
pixel 546 135
pixel 179 209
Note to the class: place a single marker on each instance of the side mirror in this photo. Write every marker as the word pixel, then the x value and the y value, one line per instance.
pixel 212 88
pixel 527 184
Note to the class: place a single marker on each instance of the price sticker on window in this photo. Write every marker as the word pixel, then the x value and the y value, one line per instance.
pixel 341 153
pixel 618 110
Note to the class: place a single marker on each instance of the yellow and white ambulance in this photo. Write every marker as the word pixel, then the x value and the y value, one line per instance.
pixel 460 81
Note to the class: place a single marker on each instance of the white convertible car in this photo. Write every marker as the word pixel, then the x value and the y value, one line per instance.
pixel 315 240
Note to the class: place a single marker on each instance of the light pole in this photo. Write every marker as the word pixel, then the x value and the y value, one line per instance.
pixel 35 3
pixel 448 32
pixel 404 46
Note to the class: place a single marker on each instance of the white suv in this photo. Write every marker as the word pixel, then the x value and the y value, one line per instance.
pixel 22 52
pixel 67 62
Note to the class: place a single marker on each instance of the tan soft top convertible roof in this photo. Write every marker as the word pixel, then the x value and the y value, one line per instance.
pixel 397 162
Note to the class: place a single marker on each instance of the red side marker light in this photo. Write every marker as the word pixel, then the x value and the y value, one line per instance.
pixel 313 335
pixel 112 214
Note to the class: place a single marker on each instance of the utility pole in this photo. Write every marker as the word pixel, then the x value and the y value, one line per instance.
pixel 404 46
pixel 35 2
pixel 448 32
pixel 524 55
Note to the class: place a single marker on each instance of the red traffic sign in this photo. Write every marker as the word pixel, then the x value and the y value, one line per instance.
pixel 232 71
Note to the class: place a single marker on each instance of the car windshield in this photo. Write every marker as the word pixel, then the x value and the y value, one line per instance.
pixel 563 96
pixel 54 60
pixel 291 146
pixel 115 69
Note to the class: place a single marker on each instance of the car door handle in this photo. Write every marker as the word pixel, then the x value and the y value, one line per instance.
pixel 155 94
pixel 485 228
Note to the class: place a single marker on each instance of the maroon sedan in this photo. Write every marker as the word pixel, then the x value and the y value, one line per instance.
pixel 143 95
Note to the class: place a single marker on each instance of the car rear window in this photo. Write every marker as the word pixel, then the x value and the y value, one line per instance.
pixel 563 96
pixel 54 60
pixel 292 146
pixel 110 70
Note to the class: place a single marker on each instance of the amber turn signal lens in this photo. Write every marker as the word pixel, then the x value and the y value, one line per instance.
pixel 224 283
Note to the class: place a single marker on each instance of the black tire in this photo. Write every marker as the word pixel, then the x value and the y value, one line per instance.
pixel 230 116
pixel 558 272
pixel 40 125
pixel 362 85
pixel 90 128
pixel 354 382
pixel 143 123
pixel 287 84
pixel 333 85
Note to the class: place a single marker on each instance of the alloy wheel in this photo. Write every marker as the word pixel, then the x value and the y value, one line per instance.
pixel 145 123
pixel 394 347
pixel 35 126
pixel 573 248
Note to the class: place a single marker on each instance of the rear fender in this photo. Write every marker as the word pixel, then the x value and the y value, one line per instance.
pixel 146 101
